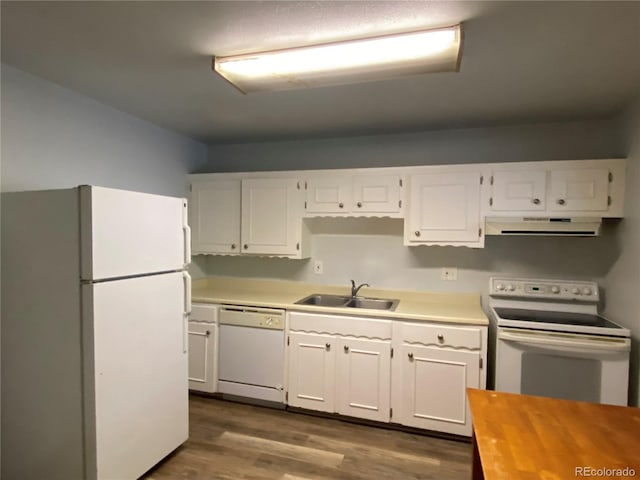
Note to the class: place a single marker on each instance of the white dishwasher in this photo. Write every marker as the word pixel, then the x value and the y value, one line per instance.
pixel 251 353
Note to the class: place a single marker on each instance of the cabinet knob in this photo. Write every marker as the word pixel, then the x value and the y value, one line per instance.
pixel 341 205
pixel 246 246
pixel 233 246
pixel 417 233
pixel 410 356
pixel 440 337
pixel 536 201
pixel 208 333
pixel 359 204
pixel 346 349
pixel 561 201
pixel 327 346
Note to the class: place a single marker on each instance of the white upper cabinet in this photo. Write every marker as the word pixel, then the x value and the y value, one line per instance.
pixel 263 213
pixel 271 216
pixel 256 216
pixel 215 216
pixel 592 188
pixel 519 190
pixel 377 194
pixel 328 195
pixel 444 208
pixel 354 195
pixel 579 190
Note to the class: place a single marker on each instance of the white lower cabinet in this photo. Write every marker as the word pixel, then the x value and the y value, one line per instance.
pixel 336 372
pixel 312 378
pixel 434 383
pixel 364 378
pixel 203 340
pixel 412 373
pixel 434 366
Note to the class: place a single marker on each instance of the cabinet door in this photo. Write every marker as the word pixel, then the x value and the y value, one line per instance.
pixel 376 194
pixel 312 380
pixel 202 341
pixel 434 383
pixel 579 190
pixel 444 207
pixel 328 195
pixel 215 216
pixel 364 379
pixel 270 216
pixel 519 191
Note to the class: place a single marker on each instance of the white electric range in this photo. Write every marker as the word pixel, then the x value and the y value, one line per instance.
pixel 551 341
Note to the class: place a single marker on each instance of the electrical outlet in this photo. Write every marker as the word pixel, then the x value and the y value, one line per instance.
pixel 317 267
pixel 450 273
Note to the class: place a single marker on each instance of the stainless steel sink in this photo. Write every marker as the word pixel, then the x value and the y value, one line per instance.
pixel 372 303
pixel 323 300
pixel 326 300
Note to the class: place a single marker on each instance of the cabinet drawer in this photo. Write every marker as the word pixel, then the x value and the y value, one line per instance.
pixel 204 312
pixel 442 335
pixel 339 325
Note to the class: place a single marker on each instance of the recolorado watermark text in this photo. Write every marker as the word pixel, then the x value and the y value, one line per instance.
pixel 626 472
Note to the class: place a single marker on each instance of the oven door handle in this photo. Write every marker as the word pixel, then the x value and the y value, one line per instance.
pixel 551 341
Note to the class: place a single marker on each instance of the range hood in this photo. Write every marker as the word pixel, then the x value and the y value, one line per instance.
pixel 552 226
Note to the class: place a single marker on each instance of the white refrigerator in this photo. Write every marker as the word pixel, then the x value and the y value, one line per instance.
pixel 95 303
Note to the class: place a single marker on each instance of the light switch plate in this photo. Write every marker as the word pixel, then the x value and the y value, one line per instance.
pixel 449 273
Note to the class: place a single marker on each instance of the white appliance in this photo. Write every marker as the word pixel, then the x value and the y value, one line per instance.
pixel 251 353
pixel 95 302
pixel 552 342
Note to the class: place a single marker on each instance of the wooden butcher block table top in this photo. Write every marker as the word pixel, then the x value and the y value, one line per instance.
pixel 527 437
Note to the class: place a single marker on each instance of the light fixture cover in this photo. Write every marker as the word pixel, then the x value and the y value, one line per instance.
pixel 352 61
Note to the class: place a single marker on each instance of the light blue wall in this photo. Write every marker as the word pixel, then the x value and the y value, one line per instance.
pixel 623 279
pixel 518 143
pixel 55 138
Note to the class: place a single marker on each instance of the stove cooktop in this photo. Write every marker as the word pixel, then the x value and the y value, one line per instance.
pixel 560 318
pixel 559 321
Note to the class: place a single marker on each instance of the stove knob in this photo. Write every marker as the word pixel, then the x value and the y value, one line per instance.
pixel 555 289
pixel 510 287
pixel 500 287
pixel 575 291
pixel 586 291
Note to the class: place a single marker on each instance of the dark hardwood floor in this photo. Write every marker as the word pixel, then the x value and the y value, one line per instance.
pixel 236 441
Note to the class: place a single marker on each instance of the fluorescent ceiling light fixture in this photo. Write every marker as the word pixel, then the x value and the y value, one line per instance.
pixel 375 58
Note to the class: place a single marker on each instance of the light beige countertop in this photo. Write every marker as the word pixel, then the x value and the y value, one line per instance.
pixel 461 308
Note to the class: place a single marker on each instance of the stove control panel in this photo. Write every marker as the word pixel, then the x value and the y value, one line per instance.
pixel 543 289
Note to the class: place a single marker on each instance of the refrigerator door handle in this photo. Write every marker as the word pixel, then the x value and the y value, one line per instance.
pixel 185 333
pixel 186 281
pixel 186 278
pixel 187 244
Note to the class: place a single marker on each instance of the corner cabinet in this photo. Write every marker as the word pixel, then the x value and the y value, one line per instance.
pixel 203 348
pixel 253 216
pixel 444 209
pixel 214 211
pixel 340 364
pixel 435 365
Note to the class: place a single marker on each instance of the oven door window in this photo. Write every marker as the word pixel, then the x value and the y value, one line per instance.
pixel 570 378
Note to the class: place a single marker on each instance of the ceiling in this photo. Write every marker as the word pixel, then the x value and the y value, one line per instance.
pixel 522 62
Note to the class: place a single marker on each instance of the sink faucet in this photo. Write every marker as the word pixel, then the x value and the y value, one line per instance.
pixel 355 290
